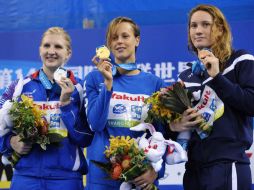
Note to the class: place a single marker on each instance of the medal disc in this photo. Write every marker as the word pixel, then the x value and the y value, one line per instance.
pixel 102 52
pixel 59 73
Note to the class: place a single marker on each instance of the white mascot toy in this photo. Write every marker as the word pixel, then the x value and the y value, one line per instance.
pixel 155 147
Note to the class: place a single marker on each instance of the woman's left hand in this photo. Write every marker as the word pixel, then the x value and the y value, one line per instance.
pixel 211 62
pixel 146 180
pixel 67 89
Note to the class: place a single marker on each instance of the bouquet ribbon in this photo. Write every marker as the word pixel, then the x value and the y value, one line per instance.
pixel 211 107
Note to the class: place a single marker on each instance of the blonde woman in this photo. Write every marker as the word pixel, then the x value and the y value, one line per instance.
pixel 57 167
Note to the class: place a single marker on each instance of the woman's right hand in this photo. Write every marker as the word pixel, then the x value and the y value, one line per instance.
pixel 189 120
pixel 105 67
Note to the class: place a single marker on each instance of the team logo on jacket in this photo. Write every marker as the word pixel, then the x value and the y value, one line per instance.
pixel 119 109
pixel 29 94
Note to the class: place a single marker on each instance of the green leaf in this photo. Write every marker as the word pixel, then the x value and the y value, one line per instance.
pixel 174 105
pixel 43 146
pixel 182 94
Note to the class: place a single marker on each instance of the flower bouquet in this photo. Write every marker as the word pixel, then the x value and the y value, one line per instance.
pixel 125 160
pixel 169 103
pixel 29 123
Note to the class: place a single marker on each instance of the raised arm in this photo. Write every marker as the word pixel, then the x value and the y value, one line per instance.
pixel 97 100
pixel 73 115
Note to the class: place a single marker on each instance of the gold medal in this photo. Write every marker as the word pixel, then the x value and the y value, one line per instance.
pixel 102 52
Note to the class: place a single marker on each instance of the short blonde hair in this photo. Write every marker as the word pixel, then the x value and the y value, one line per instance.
pixel 222 46
pixel 59 31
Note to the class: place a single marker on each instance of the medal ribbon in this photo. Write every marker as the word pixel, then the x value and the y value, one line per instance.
pixel 125 66
pixel 198 68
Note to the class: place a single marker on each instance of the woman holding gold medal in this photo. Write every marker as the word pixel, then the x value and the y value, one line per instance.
pixel 114 98
pixel 59 94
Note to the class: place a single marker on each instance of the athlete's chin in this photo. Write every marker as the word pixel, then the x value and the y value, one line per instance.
pixel 201 45
pixel 53 64
pixel 122 58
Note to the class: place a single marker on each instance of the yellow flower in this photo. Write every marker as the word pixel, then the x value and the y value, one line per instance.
pixel 27 101
pixel 120 142
pixel 37 112
pixel 164 112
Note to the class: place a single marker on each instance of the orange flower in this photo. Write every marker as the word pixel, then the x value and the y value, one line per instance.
pixel 116 171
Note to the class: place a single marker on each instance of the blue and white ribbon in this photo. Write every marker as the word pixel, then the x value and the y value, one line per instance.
pixel 125 66
pixel 198 68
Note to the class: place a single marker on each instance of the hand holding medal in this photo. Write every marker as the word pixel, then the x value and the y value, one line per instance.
pixel 102 62
pixel 67 87
pixel 202 54
pixel 210 62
